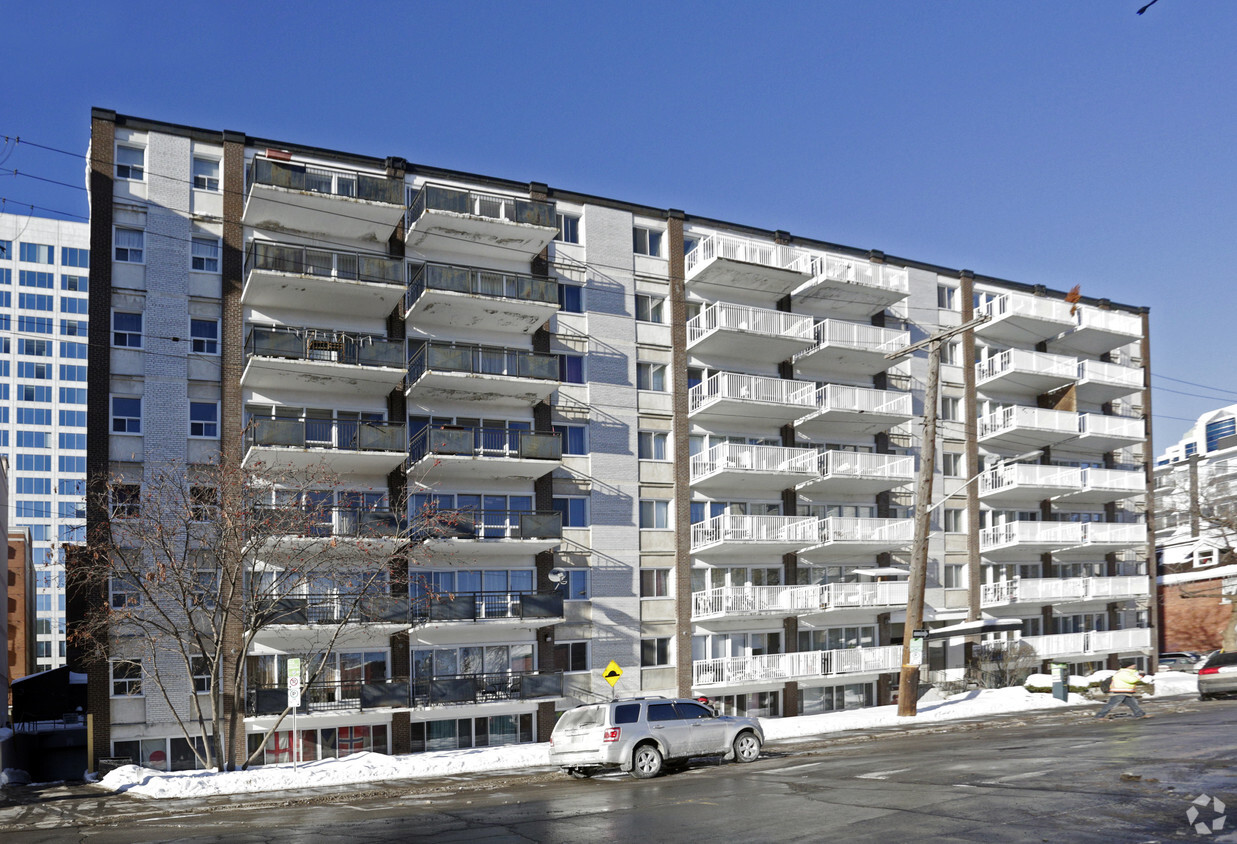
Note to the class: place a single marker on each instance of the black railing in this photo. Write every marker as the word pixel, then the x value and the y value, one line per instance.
pixel 329 181
pixel 341 434
pixel 479 360
pixel 328 346
pixel 359 522
pixel 486 606
pixel 332 608
pixel 512 209
pixel 484 442
pixel 322 263
pixel 476 282
pixel 491 524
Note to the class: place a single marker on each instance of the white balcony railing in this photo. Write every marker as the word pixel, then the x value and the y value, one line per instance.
pixel 855 335
pixel 763 321
pixel 1112 321
pixel 1110 373
pixel 1023 360
pixel 1041 533
pixel 1029 475
pixel 855 271
pixel 757 389
pixel 852 464
pixel 1051 590
pixel 755 600
pixel 748 251
pixel 1120 426
pixel 1107 533
pixel 805 664
pixel 1118 480
pixel 753 529
pixel 863 530
pixel 1021 417
pixel 863 400
pixel 1090 643
pixel 1023 304
pixel 886 594
pixel 753 458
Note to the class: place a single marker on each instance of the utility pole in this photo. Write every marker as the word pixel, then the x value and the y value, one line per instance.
pixel 908 686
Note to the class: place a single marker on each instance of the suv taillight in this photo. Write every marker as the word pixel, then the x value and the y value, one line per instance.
pixel 1209 671
pixel 611 734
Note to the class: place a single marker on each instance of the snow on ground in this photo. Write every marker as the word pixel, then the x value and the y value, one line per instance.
pixel 373 767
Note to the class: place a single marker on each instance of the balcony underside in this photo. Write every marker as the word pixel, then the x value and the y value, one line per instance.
pixel 1015 329
pixel 846 550
pixel 829 422
pixel 844 299
pixel 448 550
pixel 722 410
pixel 1094 391
pixel 1096 495
pixel 278 209
pixel 451 468
pixel 827 360
pixel 825 486
pixel 735 478
pixel 340 461
pixel 1099 441
pixel 436 386
pixel 367 299
pixel 1026 494
pixel 729 549
pixel 1085 340
pixel 1096 549
pixel 1023 381
pixel 747 346
pixel 1022 551
pixel 453 309
pixel 436 231
pixel 274 373
pixel 726 279
pixel 1024 437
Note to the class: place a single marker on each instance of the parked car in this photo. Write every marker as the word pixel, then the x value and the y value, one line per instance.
pixel 1179 661
pixel 1218 676
pixel 645 736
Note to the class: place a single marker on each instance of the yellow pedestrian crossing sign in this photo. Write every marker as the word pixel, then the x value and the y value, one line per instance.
pixel 612 673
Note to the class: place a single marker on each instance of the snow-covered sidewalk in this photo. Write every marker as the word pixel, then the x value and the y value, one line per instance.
pixel 374 767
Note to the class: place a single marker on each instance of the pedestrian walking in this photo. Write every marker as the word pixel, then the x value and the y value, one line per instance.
pixel 1122 692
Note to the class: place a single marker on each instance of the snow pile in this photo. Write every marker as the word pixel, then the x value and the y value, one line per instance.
pixel 14 776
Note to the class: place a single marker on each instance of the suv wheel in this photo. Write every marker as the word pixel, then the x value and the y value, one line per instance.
pixel 746 747
pixel 580 773
pixel 646 762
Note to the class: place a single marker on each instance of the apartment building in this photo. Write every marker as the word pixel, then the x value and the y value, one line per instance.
pixel 627 436
pixel 44 277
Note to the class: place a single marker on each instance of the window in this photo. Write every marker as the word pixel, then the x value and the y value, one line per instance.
pixel 576 585
pixel 951 353
pixel 126 678
pixel 34 325
pixel 30 369
pixel 204 419
pixel 72 465
pixel 129 245
pixel 205 174
pixel 572 438
pixel 72 395
pixel 651 376
pixel 29 278
pixel 946 297
pixel 205 254
pixel 570 298
pixel 204 336
pixel 951 408
pixel 72 257
pixel 646 241
pixel 655 583
pixel 951 464
pixel 73 328
pixel 130 163
pixel 654 515
pixel 650 308
pixel 571 656
pixel 127 329
pixel 6 252
pixel 574 511
pixel 34 486
pixel 953 520
pixel 954 577
pixel 33 392
pixel 126 501
pixel 201 674
pixel 75 283
pixel 73 351
pixel 69 372
pixel 34 463
pixel 38 348
pixel 38 253
pixel 651 445
pixel 36 302
pixel 126 415
pixel 72 442
pixel 73 419
pixel 571 369
pixel 568 228
pixel 125 592
pixel 654 652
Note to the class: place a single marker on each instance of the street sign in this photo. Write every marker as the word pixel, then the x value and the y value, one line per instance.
pixel 916 652
pixel 920 632
pixel 294 683
pixel 612 673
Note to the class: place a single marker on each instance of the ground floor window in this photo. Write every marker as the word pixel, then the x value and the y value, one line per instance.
pixel 758 704
pixel 458 733
pixel 161 754
pixel 324 743
pixel 833 698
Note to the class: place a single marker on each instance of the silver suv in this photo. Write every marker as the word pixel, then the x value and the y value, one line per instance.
pixel 647 735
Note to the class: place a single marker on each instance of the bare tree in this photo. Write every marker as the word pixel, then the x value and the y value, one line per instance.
pixel 199 563
pixel 996 665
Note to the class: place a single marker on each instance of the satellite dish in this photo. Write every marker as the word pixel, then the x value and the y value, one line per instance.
pixel 558 575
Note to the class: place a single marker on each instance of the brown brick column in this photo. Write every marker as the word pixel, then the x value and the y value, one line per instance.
pixel 884 683
pixel 682 472
pixel 1153 595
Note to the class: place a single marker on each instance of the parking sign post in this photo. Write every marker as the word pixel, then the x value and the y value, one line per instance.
pixel 294 700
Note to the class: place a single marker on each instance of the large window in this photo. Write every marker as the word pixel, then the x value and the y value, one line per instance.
pixel 646 241
pixel 655 583
pixel 130 245
pixel 568 228
pixel 130 163
pixel 127 329
pixel 574 511
pixel 205 254
pixel 654 652
pixel 204 419
pixel 38 253
pixel 654 514
pixel 571 656
pixel 126 678
pixel 650 308
pixel 204 335
pixel 651 376
pixel 573 438
pixel 651 445
pixel 205 174
pixel 126 415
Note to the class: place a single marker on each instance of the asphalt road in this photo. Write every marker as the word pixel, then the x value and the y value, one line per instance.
pixel 1059 776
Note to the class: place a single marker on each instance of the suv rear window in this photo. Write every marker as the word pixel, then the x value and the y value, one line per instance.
pixel 627 713
pixel 1229 658
pixel 585 716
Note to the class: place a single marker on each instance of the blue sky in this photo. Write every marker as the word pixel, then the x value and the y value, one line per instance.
pixel 1050 142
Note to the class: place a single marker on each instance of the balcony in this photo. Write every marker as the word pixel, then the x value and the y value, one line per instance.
pixel 805 665
pixel 852 538
pixel 1021 371
pixel 508 228
pixel 491 533
pixel 369 533
pixel 289 197
pixel 332 608
pixel 494 609
pixel 755 602
pixel 328 362
pixel 346 446
pixel 401 692
pixel 1063 590
pixel 451 454
pixel 1099 538
pixel 1100 382
pixel 730 536
pixel 1103 486
pixel 840 596
pixel 445 296
pixel 1021 319
pixel 850 347
pixel 1027 427
pixel 852 288
pixel 851 472
pixel 355 284
pixel 735 399
pixel 492 375
pixel 859 411
pixel 720 265
pixel 748 334
pixel 1108 433
pixel 1094 643
pixel 750 468
pixel 1097 331
pixel 1027 540
pixel 1012 484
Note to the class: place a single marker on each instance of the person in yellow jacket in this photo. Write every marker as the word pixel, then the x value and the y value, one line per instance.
pixel 1122 691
